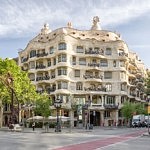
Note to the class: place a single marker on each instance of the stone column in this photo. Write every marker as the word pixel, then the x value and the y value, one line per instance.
pixel 102 100
pixel 116 117
pixel 102 118
pixel 71 114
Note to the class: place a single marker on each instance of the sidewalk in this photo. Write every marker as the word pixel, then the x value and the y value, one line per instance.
pixel 63 130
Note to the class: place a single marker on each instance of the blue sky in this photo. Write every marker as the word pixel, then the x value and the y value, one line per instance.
pixel 22 20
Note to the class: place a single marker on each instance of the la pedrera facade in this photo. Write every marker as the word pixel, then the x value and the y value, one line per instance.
pixel 92 71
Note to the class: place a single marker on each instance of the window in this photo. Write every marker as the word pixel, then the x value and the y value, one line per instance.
pixel 53 74
pixel 73 60
pixel 62 46
pixel 122 63
pixel 103 63
pixel 62 85
pixel 123 98
pixel 54 61
pixel 123 87
pixel 32 65
pixel 48 63
pixel 110 100
pixel 114 63
pixel 108 51
pixel 106 113
pixel 108 87
pixel 82 61
pixel 77 73
pixel 80 49
pixel 32 53
pixel 6 107
pixel 51 50
pixel 107 75
pixel 62 71
pixel 122 75
pixel 79 86
pixel 62 58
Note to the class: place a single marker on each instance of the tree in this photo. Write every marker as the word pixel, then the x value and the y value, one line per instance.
pixel 128 110
pixel 42 106
pixel 139 108
pixel 15 86
pixel 147 83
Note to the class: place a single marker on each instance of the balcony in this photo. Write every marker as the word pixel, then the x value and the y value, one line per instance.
pixel 123 54
pixel 103 89
pixel 41 55
pixel 96 105
pixel 94 64
pixel 40 66
pixel 92 77
pixel 110 106
pixel 49 90
pixel 96 52
pixel 42 78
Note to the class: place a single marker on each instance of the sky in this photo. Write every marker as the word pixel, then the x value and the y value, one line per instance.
pixel 22 20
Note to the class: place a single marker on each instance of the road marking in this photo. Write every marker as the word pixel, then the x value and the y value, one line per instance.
pixel 91 145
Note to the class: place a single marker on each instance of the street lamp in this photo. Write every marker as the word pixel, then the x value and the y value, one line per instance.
pixel 57 105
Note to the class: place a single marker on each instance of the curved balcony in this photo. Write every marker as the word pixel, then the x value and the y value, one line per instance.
pixel 94 64
pixel 95 89
pixel 123 55
pixel 40 66
pixel 110 106
pixel 42 54
pixel 42 78
pixel 93 78
pixel 95 52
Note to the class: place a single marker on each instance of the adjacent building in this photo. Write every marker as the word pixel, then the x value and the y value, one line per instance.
pixel 92 71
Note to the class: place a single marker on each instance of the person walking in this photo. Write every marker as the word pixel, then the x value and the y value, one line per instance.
pixel 33 126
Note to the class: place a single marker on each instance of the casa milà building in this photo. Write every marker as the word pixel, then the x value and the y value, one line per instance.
pixel 92 71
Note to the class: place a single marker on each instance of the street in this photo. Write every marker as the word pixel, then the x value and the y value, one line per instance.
pixel 99 139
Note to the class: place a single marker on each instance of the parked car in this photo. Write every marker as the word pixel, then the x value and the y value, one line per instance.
pixel 15 127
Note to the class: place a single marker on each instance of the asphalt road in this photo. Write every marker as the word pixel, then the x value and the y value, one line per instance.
pixel 99 139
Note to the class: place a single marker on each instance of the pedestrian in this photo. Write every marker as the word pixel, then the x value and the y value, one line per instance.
pixel 33 126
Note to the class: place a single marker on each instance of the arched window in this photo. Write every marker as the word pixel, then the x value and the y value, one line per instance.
pixel 62 46
pixel 32 53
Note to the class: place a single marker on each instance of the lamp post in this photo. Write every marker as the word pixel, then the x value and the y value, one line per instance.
pixel 57 105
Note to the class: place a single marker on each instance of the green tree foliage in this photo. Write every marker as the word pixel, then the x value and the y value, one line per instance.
pixel 147 83
pixel 129 109
pixel 42 105
pixel 13 78
pixel 139 108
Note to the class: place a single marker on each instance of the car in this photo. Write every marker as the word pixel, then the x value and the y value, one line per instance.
pixel 15 127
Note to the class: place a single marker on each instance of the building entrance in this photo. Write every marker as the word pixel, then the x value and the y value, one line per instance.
pixel 95 118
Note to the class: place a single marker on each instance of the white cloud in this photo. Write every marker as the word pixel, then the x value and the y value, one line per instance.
pixel 21 18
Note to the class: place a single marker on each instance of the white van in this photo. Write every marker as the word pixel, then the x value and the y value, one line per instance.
pixel 138 121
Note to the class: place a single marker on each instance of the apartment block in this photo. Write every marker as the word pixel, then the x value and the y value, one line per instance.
pixel 92 71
